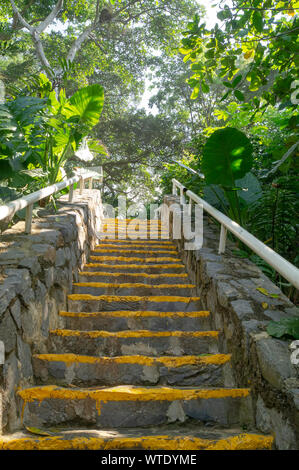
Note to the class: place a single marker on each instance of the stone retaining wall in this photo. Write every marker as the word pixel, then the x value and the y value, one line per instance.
pixel 228 287
pixel 36 274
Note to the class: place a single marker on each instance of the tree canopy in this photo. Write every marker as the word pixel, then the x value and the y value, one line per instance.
pixel 237 78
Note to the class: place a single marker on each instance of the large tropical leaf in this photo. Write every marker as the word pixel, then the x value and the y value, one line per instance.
pixel 85 106
pixel 227 157
pixel 251 188
pixel 287 327
pixel 7 194
pixel 215 196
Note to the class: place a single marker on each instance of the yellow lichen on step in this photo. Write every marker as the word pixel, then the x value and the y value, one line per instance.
pixel 168 361
pixel 131 298
pixel 124 258
pixel 128 393
pixel 121 242
pixel 133 245
pixel 132 314
pixel 134 285
pixel 147 276
pixel 133 235
pixel 141 221
pixel 243 442
pixel 135 230
pixel 134 333
pixel 146 252
pixel 131 266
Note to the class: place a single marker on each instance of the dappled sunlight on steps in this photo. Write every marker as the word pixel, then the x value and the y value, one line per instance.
pixel 136 365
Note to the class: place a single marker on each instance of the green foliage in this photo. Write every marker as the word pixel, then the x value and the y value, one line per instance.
pixel 254 51
pixel 85 107
pixel 284 329
pixel 227 157
pixel 274 217
pixel 40 133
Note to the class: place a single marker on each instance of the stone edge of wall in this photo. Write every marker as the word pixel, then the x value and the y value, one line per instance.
pixel 228 287
pixel 36 275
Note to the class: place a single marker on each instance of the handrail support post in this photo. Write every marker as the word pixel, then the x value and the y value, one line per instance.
pixel 174 189
pixel 190 207
pixel 28 219
pixel 222 241
pixel 182 196
pixel 81 185
pixel 71 193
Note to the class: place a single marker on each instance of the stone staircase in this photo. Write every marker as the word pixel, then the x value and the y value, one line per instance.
pixel 136 365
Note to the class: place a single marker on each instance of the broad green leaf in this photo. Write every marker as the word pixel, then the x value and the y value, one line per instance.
pixel 257 20
pixel 227 156
pixel 225 95
pixel 205 88
pixel 227 84
pixel 86 105
pixel 252 189
pixel 239 95
pixel 237 80
pixel 288 327
pixel 195 92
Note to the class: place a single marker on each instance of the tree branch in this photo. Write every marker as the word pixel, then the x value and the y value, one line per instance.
pixel 34 34
pixel 40 49
pixel 20 17
pixel 83 36
pixel 51 17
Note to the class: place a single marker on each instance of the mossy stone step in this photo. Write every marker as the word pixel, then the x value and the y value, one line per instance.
pixel 129 406
pixel 163 303
pixel 71 369
pixel 130 277
pixel 154 268
pixel 144 342
pixel 137 320
pixel 172 438
pixel 134 259
pixel 132 288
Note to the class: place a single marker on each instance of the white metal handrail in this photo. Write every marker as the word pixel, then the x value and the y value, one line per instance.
pixel 7 211
pixel 280 264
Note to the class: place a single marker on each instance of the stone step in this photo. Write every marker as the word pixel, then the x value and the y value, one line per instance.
pixel 133 252
pixel 93 303
pixel 124 268
pixel 135 248
pixel 72 369
pixel 133 226
pixel 128 406
pixel 150 242
pixel 139 277
pixel 128 342
pixel 131 221
pixel 169 437
pixel 132 232
pixel 132 288
pixel 137 243
pixel 137 320
pixel 134 259
pixel 133 236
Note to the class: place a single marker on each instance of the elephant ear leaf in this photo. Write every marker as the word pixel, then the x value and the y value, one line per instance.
pixel 287 327
pixel 227 157
pixel 86 105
